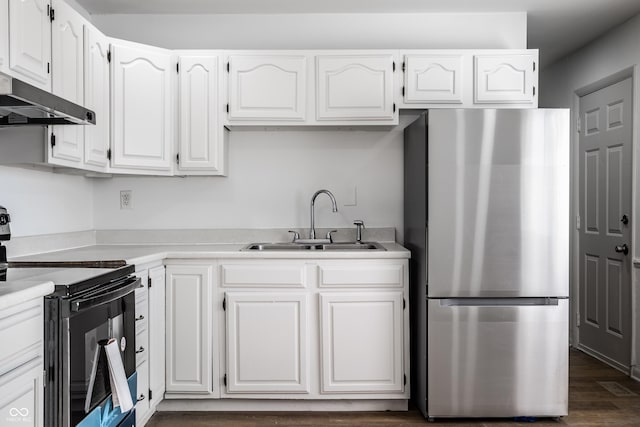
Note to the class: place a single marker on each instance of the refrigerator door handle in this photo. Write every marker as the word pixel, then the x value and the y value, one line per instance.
pixel 497 302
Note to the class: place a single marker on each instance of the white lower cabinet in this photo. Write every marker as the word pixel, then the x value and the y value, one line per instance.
pixel 362 342
pixel 189 329
pixel 21 396
pixel 267 342
pixel 287 329
pixel 150 331
pixel 22 364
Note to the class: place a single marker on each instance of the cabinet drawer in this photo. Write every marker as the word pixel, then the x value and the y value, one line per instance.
pixel 142 316
pixel 361 275
pixel 142 346
pixel 142 404
pixel 249 275
pixel 21 332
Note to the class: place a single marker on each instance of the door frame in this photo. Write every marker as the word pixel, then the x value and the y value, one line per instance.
pixel 574 271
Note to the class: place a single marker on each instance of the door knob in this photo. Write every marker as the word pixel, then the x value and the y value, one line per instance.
pixel 624 219
pixel 622 248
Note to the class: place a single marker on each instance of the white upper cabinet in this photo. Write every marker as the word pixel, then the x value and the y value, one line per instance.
pixel 201 145
pixel 67 69
pixel 433 79
pixel 355 87
pixel 267 87
pixel 141 107
pixel 30 41
pixel 4 35
pixel 505 78
pixel 96 98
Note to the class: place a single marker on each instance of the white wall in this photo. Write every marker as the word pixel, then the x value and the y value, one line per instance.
pixel 321 31
pixel 42 202
pixel 272 176
pixel 617 51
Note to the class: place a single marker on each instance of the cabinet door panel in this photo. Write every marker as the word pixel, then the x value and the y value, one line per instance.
pixel 267 343
pixel 433 79
pixel 267 87
pixel 201 145
pixel 505 78
pixel 21 396
pixel 30 41
pixel 141 108
pixel 96 97
pixel 188 329
pixel 362 342
pixel 4 35
pixel 157 334
pixel 354 87
pixel 67 69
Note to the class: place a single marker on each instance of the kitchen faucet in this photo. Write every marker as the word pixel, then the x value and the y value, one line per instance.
pixel 312 230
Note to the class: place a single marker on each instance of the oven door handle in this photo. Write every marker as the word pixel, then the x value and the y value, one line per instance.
pixel 105 298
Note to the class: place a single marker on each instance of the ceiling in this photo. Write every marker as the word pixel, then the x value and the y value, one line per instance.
pixel 556 27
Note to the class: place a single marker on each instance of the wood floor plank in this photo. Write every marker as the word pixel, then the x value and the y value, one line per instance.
pixel 590 404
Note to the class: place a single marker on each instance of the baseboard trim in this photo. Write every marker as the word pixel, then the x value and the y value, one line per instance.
pixel 283 405
pixel 601 357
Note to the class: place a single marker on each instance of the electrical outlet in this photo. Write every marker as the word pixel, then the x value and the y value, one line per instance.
pixel 126 199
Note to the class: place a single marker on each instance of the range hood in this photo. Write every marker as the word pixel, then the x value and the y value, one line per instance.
pixel 24 104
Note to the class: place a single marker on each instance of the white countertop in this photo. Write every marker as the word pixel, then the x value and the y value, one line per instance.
pixel 18 291
pixel 140 254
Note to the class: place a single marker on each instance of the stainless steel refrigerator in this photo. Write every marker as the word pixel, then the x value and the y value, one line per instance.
pixel 487 222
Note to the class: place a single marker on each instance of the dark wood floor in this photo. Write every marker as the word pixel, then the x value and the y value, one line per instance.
pixel 590 404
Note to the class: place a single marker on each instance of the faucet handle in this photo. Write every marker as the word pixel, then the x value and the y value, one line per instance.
pixel 359 226
pixel 296 235
pixel 329 236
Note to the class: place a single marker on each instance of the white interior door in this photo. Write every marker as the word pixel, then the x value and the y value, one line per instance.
pixel 605 212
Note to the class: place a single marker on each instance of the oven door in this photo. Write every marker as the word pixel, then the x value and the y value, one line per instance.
pixel 88 321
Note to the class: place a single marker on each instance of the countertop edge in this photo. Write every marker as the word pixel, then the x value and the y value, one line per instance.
pixel 14 293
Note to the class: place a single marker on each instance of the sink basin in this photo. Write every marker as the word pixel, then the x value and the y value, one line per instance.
pixel 341 246
pixel 364 246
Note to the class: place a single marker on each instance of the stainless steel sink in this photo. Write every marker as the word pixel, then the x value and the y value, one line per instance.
pixel 341 246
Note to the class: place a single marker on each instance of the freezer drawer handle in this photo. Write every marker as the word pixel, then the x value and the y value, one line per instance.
pixel 496 302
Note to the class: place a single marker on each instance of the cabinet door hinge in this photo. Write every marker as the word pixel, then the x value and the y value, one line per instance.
pixel 534 91
pixel 109 154
pixel 48 68
pixel 177 67
pixel 393 67
pixel 404 66
pixel 224 303
pixel 227 108
pixel 178 158
pixel 224 380
pixel 228 67
pixel 53 140
pixel 150 394
pixel 534 65
pixel 404 303
pixel 405 379
pixel 149 284
pixel 394 107
pixel 108 56
pixel 402 90
pixel 52 15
